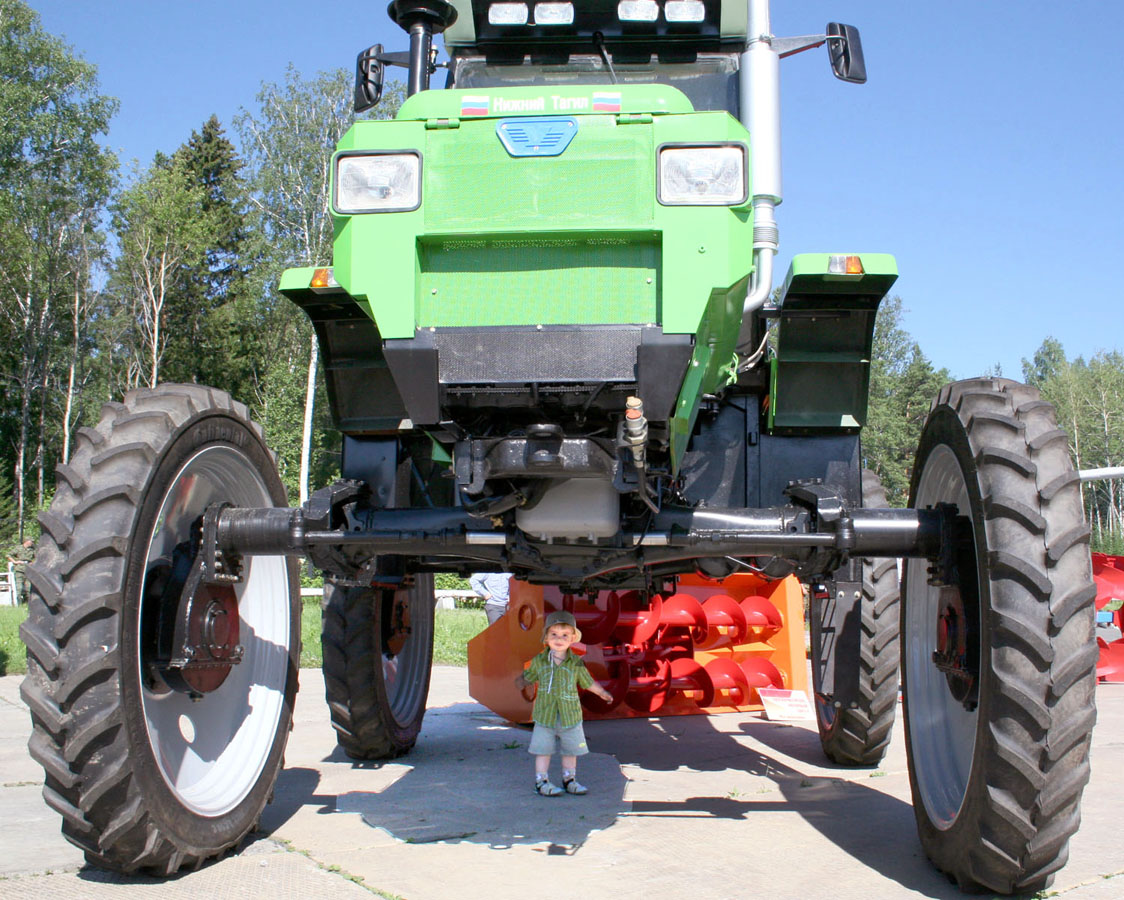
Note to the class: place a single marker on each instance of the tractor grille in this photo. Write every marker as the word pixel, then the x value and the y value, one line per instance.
pixel 539 240
pixel 538 281
pixel 472 183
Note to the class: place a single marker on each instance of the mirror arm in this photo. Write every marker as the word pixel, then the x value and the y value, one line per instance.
pixel 397 58
pixel 792 45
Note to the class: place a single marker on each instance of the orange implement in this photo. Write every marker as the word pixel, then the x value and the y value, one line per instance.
pixel 706 648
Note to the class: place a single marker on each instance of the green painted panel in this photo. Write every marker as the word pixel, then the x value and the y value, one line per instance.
pixel 540 280
pixel 820 377
pixel 471 183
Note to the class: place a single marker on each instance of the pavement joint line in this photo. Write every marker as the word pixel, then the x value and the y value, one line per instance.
pixel 45 873
pixel 1088 882
pixel 331 869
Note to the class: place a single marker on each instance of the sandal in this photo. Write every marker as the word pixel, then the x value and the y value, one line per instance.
pixel 573 786
pixel 547 789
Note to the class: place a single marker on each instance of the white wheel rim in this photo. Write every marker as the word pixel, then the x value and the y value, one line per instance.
pixel 212 751
pixel 405 675
pixel 942 732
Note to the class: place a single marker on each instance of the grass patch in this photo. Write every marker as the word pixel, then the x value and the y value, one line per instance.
pixel 453 628
pixel 310 633
pixel 13 654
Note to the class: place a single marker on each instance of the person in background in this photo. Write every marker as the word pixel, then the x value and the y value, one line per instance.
pixel 494 587
pixel 19 559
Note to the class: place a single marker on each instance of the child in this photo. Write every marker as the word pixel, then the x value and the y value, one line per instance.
pixel 557 711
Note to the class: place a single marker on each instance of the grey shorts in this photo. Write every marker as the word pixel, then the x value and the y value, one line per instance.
pixel 544 738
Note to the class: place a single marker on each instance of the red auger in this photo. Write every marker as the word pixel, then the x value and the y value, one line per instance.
pixel 706 648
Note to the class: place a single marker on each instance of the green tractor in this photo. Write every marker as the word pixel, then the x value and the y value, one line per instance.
pixel 553 348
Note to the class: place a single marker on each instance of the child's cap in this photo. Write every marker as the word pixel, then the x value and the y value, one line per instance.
pixel 561 617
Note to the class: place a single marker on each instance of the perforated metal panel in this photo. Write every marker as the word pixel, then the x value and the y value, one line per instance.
pixel 606 178
pixel 538 281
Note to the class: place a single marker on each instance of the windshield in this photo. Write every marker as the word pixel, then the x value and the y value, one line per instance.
pixel 710 81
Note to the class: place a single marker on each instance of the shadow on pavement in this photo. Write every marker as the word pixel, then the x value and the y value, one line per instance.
pixel 469 779
pixel 873 827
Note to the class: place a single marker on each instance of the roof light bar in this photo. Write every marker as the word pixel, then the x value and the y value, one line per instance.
pixel 508 14
pixel 638 10
pixel 554 13
pixel 684 11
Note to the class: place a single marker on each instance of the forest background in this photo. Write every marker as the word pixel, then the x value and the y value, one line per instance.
pixel 112 280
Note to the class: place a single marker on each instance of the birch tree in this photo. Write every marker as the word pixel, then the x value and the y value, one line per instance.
pixel 54 180
pixel 161 225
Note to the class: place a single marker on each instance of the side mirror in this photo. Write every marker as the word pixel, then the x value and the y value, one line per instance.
pixel 368 78
pixel 845 50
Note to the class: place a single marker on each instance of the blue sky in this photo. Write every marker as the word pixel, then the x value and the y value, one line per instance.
pixel 985 151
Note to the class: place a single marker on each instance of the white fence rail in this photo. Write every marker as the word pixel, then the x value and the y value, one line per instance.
pixel 446 599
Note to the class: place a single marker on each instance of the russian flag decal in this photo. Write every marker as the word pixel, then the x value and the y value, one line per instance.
pixel 606 101
pixel 474 106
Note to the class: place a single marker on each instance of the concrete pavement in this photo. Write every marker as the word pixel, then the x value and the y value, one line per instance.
pixel 702 807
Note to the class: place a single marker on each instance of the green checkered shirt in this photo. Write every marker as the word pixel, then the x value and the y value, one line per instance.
pixel 557 703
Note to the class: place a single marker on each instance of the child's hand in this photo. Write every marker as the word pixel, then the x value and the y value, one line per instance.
pixel 520 681
pixel 602 693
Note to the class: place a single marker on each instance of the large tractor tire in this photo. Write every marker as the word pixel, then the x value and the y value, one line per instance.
pixel 858 735
pixel 999 661
pixel 147 777
pixel 378 652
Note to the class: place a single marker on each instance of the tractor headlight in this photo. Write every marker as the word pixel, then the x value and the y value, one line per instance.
pixel 377 182
pixel 712 175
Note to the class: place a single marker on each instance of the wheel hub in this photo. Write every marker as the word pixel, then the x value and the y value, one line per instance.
pixel 212 646
pixel 397 624
pixel 190 628
pixel 952 653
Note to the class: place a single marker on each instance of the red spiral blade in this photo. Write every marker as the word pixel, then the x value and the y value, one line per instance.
pixel 731 686
pixel 616 684
pixel 648 692
pixel 726 624
pixel 595 624
pixel 635 624
pixel 761 673
pixel 688 675
pixel 685 611
pixel 1110 663
pixel 762 617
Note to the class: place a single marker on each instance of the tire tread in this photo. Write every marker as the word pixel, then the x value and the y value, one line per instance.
pixel 1033 755
pixel 72 690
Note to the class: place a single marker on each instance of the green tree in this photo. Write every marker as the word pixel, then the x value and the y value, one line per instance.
pixel 210 336
pixel 55 179
pixel 903 384
pixel 1048 361
pixel 161 225
pixel 1089 400
pixel 288 144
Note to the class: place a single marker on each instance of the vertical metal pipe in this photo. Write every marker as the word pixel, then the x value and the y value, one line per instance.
pixel 760 86
pixel 759 79
pixel 421 42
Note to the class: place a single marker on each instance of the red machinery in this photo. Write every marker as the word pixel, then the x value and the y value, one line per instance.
pixel 1108 573
pixel 706 648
